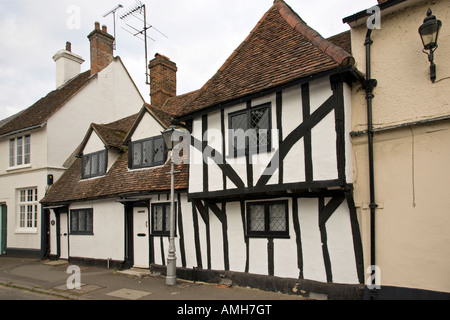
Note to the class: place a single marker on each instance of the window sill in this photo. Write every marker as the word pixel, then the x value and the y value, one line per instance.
pixel 26 231
pixel 24 166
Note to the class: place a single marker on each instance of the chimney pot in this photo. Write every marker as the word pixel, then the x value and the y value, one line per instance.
pixel 97 25
pixel 68 46
pixel 104 28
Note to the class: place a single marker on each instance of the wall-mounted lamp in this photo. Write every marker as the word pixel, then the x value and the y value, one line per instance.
pixel 429 32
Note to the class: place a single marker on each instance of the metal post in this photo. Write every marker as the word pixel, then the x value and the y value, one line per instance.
pixel 171 276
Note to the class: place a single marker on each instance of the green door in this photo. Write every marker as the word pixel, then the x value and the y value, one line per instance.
pixel 3 229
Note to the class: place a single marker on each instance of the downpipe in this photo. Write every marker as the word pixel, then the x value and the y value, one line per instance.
pixel 369 85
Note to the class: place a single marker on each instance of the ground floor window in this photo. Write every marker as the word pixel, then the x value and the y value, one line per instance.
pixel 161 218
pixel 82 221
pixel 267 219
pixel 28 208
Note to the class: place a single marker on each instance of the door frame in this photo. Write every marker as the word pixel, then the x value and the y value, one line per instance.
pixel 129 207
pixel 4 227
pixel 58 213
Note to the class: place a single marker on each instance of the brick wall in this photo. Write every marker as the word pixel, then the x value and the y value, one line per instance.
pixel 163 80
pixel 101 48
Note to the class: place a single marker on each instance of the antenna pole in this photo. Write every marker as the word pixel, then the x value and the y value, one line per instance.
pixel 147 75
pixel 113 11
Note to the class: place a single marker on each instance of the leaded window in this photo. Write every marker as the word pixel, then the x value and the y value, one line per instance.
pixel 250 130
pixel 82 221
pixel 161 218
pixel 94 164
pixel 147 153
pixel 267 219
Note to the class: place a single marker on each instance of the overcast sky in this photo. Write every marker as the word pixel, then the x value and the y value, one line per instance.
pixel 198 35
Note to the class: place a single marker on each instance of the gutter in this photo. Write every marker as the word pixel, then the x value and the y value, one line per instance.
pixel 39 126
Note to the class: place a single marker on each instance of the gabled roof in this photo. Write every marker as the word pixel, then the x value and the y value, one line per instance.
pixel 280 49
pixel 119 181
pixel 38 114
pixel 112 134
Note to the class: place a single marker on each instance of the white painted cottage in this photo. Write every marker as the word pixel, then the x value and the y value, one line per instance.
pixel 37 141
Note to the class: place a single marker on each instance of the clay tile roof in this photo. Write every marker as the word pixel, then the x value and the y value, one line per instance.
pixel 119 180
pixel 342 40
pixel 281 48
pixel 42 110
pixel 112 134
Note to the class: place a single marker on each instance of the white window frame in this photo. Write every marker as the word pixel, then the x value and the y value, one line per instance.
pixel 20 151
pixel 27 209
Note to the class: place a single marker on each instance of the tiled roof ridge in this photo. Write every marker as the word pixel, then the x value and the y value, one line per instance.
pixel 337 53
pixel 230 58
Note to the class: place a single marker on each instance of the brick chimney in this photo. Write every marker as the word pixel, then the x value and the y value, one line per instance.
pixel 102 50
pixel 163 80
pixel 68 65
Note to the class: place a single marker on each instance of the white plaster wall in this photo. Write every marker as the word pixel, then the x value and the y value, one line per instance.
pixel 236 240
pixel 340 246
pixel 196 160
pixel 94 144
pixel 313 264
pixel 214 136
pixel 285 252
pixel 217 257
pixel 108 97
pixel 108 239
pixel 323 142
pixel 148 127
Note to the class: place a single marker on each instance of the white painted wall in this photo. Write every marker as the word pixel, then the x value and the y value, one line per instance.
pixel 110 96
pixel 148 127
pixel 109 230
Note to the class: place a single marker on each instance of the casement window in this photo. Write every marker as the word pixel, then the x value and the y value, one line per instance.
pixel 20 151
pixel 250 130
pixel 94 164
pixel 28 208
pixel 267 219
pixel 147 153
pixel 82 221
pixel 161 218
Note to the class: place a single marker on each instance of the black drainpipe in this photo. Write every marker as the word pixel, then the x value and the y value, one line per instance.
pixel 369 85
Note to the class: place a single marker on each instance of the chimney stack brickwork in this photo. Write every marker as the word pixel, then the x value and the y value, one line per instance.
pixel 163 80
pixel 102 50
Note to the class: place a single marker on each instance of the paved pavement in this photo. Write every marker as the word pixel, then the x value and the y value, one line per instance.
pixel 33 279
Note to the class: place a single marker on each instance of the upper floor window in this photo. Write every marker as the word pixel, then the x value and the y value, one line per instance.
pixel 28 208
pixel 94 164
pixel 147 153
pixel 19 151
pixel 250 130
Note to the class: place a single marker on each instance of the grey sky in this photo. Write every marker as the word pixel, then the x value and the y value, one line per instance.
pixel 199 35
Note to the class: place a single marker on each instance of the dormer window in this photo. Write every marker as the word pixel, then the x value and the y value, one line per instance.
pixel 147 153
pixel 94 164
